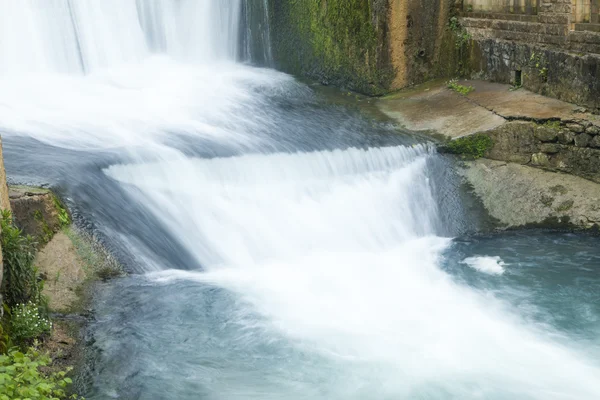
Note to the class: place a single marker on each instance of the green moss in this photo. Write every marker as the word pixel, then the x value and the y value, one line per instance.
pixel 331 40
pixel 471 147
pixel 552 125
pixel 559 189
pixel 547 200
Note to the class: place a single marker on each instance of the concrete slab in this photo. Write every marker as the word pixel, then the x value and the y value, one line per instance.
pixel 434 108
pixel 519 104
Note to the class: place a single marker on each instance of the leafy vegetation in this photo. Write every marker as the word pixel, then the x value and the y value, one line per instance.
pixel 63 214
pixel 26 374
pixel 22 282
pixel 458 88
pixel 21 377
pixel 472 147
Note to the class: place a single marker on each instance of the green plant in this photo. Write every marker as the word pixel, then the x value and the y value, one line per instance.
pixel 458 88
pixel 462 36
pixel 27 323
pixel 538 62
pixel 472 146
pixel 5 341
pixel 21 377
pixel 21 282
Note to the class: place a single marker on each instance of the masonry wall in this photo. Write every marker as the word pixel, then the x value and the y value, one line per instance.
pixel 550 47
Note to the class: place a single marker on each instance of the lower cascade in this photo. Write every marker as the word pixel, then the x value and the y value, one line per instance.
pixel 282 244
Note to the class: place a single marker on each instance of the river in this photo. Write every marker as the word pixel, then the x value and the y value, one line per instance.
pixel 282 244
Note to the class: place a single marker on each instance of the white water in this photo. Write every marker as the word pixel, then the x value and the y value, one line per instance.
pixel 336 250
pixel 76 36
pixel 487 265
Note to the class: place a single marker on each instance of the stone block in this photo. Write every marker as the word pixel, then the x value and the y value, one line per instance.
pixel 550 148
pixel 582 140
pixel 593 130
pixel 575 128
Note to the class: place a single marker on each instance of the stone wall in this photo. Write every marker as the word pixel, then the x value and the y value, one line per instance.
pixel 554 51
pixel 570 146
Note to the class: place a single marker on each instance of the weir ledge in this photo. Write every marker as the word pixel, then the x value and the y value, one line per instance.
pixel 542 165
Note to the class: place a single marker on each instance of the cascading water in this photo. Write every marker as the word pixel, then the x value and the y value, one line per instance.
pixel 73 36
pixel 286 247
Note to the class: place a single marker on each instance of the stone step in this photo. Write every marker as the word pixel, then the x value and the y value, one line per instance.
pixel 587 27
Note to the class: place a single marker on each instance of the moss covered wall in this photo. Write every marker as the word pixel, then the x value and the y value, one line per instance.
pixel 371 46
pixel 338 42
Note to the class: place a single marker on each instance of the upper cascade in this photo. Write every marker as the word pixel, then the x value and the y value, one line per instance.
pixel 78 37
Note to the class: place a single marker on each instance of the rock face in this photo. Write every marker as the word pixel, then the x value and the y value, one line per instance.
pixel 376 46
pixel 37 212
pixel 517 195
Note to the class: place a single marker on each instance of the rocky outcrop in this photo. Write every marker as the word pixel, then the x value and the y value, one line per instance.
pixel 518 195
pixel 37 212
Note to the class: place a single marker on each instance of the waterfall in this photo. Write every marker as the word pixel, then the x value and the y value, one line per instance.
pixel 75 36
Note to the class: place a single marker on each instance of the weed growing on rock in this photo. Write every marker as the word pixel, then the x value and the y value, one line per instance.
pixel 458 88
pixel 462 36
pixel 552 124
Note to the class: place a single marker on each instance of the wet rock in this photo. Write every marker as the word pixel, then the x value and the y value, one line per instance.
pixel 519 195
